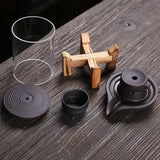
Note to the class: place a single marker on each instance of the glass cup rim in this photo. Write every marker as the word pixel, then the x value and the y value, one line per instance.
pixel 26 41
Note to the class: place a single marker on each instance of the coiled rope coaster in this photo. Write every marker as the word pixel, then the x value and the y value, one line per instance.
pixel 26 101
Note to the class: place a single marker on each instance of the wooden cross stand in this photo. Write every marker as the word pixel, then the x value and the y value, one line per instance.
pixel 87 57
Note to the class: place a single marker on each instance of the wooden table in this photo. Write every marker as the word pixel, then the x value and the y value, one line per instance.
pixel 135 26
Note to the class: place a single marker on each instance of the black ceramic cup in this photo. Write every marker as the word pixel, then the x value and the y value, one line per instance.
pixel 75 102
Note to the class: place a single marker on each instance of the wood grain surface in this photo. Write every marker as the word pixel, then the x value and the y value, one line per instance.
pixel 135 26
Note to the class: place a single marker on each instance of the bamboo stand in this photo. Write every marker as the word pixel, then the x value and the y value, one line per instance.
pixel 87 57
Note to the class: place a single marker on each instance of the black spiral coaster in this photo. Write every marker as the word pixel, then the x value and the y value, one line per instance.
pixel 26 101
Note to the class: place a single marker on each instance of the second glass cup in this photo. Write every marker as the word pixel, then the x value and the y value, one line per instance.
pixel 33 49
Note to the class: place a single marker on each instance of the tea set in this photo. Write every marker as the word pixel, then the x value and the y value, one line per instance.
pixel 131 89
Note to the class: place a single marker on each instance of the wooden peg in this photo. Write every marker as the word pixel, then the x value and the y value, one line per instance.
pixel 67 71
pixel 86 49
pixel 94 70
pixel 113 51
pixel 96 77
pixel 87 57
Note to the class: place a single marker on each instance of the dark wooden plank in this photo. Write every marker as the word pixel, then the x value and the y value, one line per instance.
pixel 134 26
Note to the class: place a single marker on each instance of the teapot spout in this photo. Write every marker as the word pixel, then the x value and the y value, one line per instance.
pixel 112 106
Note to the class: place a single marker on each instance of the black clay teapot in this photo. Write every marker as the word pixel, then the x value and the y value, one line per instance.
pixel 130 90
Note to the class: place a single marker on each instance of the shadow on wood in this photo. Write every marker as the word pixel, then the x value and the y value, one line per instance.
pixel 130 116
pixel 70 121
pixel 16 122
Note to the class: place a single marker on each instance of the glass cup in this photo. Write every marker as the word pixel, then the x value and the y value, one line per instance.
pixel 33 49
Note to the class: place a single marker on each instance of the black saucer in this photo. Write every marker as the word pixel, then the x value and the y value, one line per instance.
pixel 130 90
pixel 26 101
